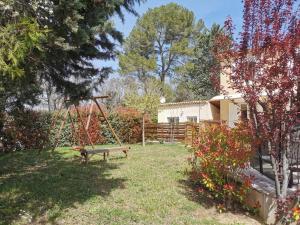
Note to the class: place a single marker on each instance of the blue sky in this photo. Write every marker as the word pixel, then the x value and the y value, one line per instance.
pixel 211 11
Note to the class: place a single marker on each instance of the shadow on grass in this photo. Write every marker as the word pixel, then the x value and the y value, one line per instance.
pixel 205 199
pixel 37 186
pixel 190 191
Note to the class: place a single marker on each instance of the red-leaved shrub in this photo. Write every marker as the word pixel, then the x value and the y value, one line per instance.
pixel 80 120
pixel 27 130
pixel 220 156
pixel 126 122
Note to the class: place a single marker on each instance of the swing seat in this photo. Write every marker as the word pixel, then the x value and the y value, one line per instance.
pixel 78 148
pixel 85 153
pixel 105 151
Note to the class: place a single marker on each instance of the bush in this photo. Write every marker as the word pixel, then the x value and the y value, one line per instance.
pixel 220 156
pixel 78 135
pixel 288 210
pixel 65 138
pixel 27 130
pixel 296 213
pixel 127 123
pixel 31 130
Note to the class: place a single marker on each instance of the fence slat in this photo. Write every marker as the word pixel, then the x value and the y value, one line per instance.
pixel 182 132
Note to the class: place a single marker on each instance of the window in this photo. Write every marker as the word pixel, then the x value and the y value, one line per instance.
pixel 173 120
pixel 192 119
pixel 244 112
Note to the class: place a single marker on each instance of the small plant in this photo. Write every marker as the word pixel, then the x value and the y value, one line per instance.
pixel 286 213
pixel 220 156
pixel 296 213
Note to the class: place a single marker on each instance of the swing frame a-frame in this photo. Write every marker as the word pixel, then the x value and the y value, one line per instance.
pixel 84 152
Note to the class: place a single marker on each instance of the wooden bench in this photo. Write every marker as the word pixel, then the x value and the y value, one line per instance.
pixel 105 151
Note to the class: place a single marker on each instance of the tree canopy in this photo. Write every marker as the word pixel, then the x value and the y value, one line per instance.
pixel 198 73
pixel 17 40
pixel 57 42
pixel 263 65
pixel 76 32
pixel 159 43
pixel 129 92
pixel 168 42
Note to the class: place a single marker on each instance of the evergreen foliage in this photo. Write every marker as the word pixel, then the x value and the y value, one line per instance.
pixel 17 41
pixel 198 72
pixel 167 42
pixel 159 43
pixel 78 33
pixel 55 41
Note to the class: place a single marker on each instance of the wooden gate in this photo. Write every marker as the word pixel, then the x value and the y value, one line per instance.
pixel 186 133
pixel 166 132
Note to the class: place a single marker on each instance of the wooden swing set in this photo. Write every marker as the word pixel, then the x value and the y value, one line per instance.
pixel 86 153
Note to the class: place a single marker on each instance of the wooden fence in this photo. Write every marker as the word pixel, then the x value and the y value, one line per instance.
pixel 168 132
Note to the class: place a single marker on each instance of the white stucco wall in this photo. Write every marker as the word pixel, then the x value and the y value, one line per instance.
pixel 234 111
pixel 202 110
pixel 234 114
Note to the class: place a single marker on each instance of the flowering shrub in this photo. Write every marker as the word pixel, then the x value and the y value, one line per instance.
pixel 286 213
pixel 220 156
pixel 296 213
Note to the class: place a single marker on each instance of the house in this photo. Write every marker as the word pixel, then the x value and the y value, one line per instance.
pixel 232 106
pixel 192 111
pixel 229 108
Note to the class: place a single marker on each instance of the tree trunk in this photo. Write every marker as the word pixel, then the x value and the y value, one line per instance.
pixel 276 169
pixel 285 166
pixel 2 134
pixel 143 130
pixel 162 77
pixel 48 102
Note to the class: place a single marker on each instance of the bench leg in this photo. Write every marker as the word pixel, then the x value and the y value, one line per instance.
pixel 85 156
pixel 105 156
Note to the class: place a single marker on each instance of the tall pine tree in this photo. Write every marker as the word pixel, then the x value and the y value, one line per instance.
pixel 78 32
pixel 56 41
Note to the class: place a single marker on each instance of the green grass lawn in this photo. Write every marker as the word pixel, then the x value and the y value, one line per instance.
pixel 149 187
